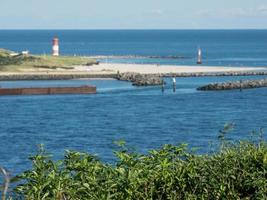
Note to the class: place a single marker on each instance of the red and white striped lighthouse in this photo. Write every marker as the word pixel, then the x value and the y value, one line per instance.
pixel 55 47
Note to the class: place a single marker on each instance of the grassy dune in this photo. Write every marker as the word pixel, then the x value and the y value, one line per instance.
pixel 17 63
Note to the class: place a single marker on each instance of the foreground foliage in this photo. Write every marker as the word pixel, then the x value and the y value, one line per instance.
pixel 237 171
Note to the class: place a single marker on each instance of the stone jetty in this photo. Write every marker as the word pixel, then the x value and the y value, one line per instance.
pixel 127 76
pixel 52 76
pixel 203 74
pixel 140 79
pixel 242 84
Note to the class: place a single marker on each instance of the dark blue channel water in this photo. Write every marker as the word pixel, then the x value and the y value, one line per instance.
pixel 144 117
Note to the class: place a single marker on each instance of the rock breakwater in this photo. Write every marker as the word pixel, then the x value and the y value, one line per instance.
pixel 202 74
pixel 136 78
pixel 243 84
pixel 140 79
pixel 9 77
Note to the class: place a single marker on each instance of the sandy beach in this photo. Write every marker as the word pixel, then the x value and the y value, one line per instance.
pixel 165 69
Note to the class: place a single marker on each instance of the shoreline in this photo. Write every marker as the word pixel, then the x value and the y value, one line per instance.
pixel 171 69
pixel 110 71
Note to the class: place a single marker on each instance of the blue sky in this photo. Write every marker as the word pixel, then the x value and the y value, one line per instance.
pixel 133 14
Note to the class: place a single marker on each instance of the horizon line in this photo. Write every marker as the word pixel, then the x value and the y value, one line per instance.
pixel 130 29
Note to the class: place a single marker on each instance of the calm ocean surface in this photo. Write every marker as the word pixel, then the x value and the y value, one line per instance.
pixel 144 117
pixel 220 47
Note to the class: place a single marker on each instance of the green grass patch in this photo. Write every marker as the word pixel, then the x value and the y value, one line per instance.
pixel 9 62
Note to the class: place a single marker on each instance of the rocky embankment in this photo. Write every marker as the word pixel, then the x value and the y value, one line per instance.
pixel 243 84
pixel 140 79
pixel 12 77
pixel 136 78
pixel 202 74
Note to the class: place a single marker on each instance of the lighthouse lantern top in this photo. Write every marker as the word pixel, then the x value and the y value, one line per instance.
pixel 55 41
pixel 55 47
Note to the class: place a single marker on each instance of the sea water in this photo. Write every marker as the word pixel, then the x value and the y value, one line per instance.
pixel 144 117
pixel 219 47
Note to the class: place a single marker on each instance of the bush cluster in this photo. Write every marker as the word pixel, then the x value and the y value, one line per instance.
pixel 236 171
